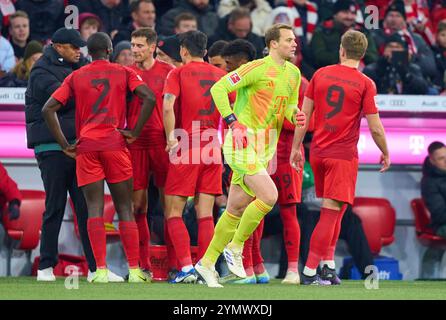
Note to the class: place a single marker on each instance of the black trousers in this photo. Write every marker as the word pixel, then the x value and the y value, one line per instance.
pixel 58 173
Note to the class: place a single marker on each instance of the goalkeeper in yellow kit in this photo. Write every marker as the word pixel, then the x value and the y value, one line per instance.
pixel 267 93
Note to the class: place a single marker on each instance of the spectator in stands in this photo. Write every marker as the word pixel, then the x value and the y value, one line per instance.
pixel 122 53
pixel 419 20
pixel 394 73
pixel 433 186
pixel 143 15
pixel 7 59
pixel 58 171
pixel 19 75
pixel 215 56
pixel 204 12
pixel 9 195
pixel 327 37
pixel 238 25
pixel 395 22
pixel 302 15
pixel 113 13
pixel 89 23
pixel 168 50
pixel 438 14
pixel 260 12
pixel 440 56
pixel 45 17
pixel 185 22
pixel 19 32
pixel 325 9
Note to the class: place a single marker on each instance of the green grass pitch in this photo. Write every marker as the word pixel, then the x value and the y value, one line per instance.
pixel 13 288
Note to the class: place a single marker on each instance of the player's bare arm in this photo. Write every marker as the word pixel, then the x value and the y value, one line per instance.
pixel 169 121
pixel 377 131
pixel 148 104
pixel 296 158
pixel 49 114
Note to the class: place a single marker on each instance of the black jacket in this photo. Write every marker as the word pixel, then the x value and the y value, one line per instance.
pixel 46 76
pixel 222 33
pixel 424 57
pixel 433 191
pixel 10 80
pixel 45 17
pixel 440 60
pixel 386 77
pixel 207 19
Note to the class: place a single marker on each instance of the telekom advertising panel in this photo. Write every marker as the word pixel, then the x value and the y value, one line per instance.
pixel 408 137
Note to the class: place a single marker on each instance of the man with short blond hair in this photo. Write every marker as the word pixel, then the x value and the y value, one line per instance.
pixel 339 95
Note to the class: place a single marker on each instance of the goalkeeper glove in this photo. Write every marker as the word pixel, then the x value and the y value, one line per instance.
pixel 239 135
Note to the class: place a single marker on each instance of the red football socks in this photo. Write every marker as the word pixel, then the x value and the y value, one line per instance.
pixel 180 240
pixel 322 236
pixel 144 240
pixel 128 231
pixel 257 258
pixel 205 234
pixel 329 255
pixel 171 255
pixel 291 234
pixel 247 253
pixel 96 233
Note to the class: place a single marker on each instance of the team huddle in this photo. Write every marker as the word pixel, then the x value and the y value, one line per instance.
pixel 170 127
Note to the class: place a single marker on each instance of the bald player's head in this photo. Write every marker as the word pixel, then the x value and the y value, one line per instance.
pixel 99 45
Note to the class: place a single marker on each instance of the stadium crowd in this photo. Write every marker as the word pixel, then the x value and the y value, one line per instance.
pixel 405 55
pixel 416 29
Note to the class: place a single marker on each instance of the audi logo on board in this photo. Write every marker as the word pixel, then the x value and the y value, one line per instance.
pixel 397 103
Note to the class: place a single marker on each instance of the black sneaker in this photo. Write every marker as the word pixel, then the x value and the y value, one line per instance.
pixel 313 281
pixel 329 274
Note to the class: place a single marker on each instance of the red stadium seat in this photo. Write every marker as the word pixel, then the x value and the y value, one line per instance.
pixel 109 214
pixel 378 220
pixel 26 229
pixel 425 234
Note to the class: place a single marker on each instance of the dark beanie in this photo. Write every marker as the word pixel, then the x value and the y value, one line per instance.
pixel 396 37
pixel 171 47
pixel 122 45
pixel 397 6
pixel 31 48
pixel 344 5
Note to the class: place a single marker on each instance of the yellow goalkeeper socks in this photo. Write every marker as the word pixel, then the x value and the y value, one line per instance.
pixel 253 214
pixel 223 233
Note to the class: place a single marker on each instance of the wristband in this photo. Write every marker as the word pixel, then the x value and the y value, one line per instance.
pixel 230 119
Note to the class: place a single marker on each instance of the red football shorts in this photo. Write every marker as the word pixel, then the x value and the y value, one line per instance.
pixel 189 179
pixel 113 166
pixel 289 184
pixel 335 178
pixel 149 161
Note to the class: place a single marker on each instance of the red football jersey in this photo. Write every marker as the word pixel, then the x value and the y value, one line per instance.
pixel 153 131
pixel 99 90
pixel 286 136
pixel 341 96
pixel 191 84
